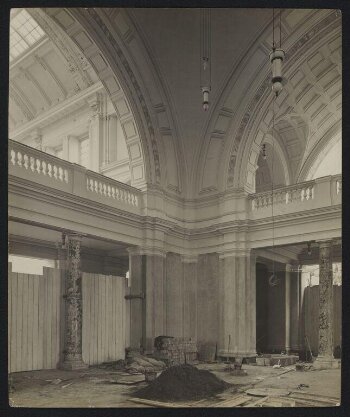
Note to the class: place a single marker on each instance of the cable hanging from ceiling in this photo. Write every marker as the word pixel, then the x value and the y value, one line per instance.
pixel 205 58
pixel 276 59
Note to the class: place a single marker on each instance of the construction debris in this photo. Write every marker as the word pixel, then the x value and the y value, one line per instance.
pixel 267 392
pixel 183 382
pixel 303 367
pixel 175 350
pixel 141 364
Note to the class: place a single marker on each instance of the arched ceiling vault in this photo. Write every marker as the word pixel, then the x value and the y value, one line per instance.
pixel 148 60
pixel 309 105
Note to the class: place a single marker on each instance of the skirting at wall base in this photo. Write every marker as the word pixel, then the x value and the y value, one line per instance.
pixel 324 362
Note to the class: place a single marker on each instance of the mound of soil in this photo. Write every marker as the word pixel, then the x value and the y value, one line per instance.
pixel 183 382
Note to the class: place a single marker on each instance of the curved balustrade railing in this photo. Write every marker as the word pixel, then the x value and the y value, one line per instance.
pixel 37 162
pixel 111 189
pixel 321 192
pixel 296 193
pixel 34 165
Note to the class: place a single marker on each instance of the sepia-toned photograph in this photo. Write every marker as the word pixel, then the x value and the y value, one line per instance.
pixel 174 207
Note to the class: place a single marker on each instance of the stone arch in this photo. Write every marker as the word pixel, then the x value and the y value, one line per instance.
pixel 102 44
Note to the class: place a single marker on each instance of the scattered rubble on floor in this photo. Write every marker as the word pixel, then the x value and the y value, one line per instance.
pixel 117 365
pixel 235 368
pixel 138 363
pixel 183 382
pixel 267 392
pixel 304 367
pixel 301 386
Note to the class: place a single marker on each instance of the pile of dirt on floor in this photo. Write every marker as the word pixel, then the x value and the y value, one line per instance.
pixel 183 382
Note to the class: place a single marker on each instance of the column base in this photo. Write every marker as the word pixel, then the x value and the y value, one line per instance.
pixel 326 362
pixel 224 353
pixel 73 365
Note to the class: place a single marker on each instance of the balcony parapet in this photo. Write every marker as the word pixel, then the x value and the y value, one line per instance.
pixel 321 192
pixel 45 169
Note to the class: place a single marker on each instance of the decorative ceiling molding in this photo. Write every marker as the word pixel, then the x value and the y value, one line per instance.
pixel 52 74
pixel 19 98
pixel 76 61
pixel 236 174
pixel 113 44
pixel 37 85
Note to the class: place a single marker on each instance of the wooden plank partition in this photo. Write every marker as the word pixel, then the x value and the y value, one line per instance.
pixel 310 316
pixel 105 318
pixel 36 319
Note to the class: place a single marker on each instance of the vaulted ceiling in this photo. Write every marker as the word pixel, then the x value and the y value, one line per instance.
pixel 154 55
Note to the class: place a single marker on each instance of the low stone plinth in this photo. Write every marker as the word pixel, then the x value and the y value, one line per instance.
pixel 271 359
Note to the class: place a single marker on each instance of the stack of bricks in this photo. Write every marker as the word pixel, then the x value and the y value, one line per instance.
pixel 176 350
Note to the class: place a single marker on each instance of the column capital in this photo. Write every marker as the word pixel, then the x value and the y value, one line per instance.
pixel 95 102
pixel 325 243
pixel 289 268
pixel 189 259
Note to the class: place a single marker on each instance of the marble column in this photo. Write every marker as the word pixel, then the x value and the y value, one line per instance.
pixel 73 308
pixel 237 298
pixel 325 343
pixel 288 308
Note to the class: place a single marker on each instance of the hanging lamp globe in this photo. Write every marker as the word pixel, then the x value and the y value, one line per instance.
pixel 205 91
pixel 276 59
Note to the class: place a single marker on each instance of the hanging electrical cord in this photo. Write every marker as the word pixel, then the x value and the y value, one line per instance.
pixel 205 48
pixel 276 58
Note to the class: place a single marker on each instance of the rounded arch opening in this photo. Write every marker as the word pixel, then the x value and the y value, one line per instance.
pixel 328 161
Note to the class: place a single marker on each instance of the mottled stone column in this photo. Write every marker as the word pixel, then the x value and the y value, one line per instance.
pixel 325 343
pixel 73 311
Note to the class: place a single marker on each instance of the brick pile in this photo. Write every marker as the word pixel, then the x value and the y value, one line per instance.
pixel 175 350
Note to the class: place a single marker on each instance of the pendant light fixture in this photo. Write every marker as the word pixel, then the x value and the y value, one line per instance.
pixel 276 58
pixel 205 58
